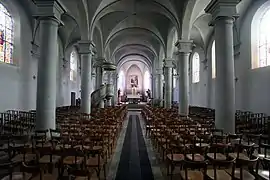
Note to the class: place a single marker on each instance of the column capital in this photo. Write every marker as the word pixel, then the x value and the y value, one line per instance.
pixel 159 71
pixel 86 47
pixel 184 46
pixel 49 8
pixel 222 8
pixel 99 61
pixel 168 62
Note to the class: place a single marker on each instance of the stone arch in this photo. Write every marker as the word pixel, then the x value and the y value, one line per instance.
pixel 193 10
pixel 98 41
pixel 171 40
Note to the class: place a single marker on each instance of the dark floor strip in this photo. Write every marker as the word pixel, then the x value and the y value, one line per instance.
pixel 134 162
pixel 123 167
pixel 134 166
pixel 146 170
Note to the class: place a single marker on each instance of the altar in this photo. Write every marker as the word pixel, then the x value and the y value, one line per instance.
pixel 135 99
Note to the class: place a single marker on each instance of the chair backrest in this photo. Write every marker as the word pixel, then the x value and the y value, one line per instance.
pixel 199 165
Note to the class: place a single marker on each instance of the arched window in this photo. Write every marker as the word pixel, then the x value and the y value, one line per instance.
pixel 213 58
pixel 121 82
pixel 264 40
pixel 195 68
pixel 6 35
pixel 73 66
pixel 147 83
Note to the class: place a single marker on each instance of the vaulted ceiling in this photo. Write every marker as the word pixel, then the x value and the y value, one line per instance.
pixel 128 30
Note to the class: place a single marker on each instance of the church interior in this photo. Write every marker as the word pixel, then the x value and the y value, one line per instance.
pixel 134 89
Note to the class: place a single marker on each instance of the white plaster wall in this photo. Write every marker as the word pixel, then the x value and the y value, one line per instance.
pixel 68 85
pixel 198 91
pixel 18 87
pixel 252 86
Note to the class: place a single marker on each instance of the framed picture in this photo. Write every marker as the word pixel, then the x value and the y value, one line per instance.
pixel 133 81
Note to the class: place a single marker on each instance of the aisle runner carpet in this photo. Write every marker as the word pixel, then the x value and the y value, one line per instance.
pixel 134 162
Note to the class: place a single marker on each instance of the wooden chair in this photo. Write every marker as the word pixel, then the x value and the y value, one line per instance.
pixel 195 170
pixel 244 168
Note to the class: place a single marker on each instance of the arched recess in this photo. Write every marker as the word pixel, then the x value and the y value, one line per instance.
pixel 132 72
pixel 172 39
pixel 164 8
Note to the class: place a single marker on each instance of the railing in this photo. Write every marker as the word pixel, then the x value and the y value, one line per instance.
pixel 98 95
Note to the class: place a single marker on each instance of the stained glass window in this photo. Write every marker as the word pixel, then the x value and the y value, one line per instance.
pixel 213 58
pixel 196 68
pixel 264 40
pixel 6 35
pixel 73 66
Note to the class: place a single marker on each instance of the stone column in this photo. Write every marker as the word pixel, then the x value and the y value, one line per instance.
pixel 184 50
pixel 168 67
pixel 99 72
pixel 93 82
pixel 160 86
pixel 154 86
pixel 49 15
pixel 85 51
pixel 223 13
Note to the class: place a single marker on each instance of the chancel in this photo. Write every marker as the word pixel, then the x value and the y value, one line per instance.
pixel 134 89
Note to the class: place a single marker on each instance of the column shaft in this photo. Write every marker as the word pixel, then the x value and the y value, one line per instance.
pixel 183 84
pixel 168 83
pixel 86 83
pixel 99 73
pixel 46 80
pixel 225 85
pixel 160 86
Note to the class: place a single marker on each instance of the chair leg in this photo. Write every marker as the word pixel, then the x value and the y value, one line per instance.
pixel 104 169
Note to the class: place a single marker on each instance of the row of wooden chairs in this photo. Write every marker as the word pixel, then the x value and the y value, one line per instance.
pixel 194 143
pixel 79 148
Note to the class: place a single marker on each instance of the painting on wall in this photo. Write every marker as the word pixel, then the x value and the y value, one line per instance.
pixel 133 79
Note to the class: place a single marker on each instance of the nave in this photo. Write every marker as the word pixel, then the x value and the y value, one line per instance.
pixel 123 143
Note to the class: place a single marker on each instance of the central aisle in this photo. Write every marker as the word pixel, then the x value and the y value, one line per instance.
pixel 134 162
